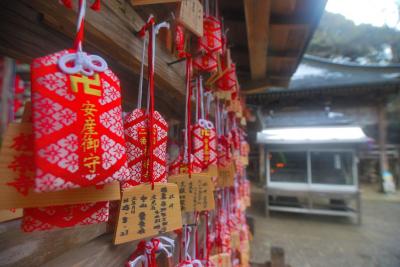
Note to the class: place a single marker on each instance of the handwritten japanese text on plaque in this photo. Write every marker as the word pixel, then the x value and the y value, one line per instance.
pixel 147 212
pixel 226 175
pixel 196 192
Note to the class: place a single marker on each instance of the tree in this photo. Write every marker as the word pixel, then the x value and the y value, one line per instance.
pixel 338 38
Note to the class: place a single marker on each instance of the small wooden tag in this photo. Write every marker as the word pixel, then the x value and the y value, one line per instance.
pixel 247 201
pixel 221 260
pixel 212 170
pixel 9 198
pixel 17 176
pixel 10 214
pixel 196 193
pixel 244 258
pixel 244 160
pixel 226 175
pixel 235 240
pixel 146 212
pixel 191 16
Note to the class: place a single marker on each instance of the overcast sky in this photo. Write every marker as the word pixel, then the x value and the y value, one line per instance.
pixel 375 12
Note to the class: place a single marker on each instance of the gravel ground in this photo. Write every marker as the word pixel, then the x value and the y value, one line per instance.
pixel 313 241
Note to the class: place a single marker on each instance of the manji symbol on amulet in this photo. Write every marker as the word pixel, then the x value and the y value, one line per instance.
pixel 90 85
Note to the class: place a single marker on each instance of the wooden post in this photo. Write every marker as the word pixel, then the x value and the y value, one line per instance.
pixel 382 132
pixel 261 164
pixel 277 257
pixel 257 24
pixel 6 91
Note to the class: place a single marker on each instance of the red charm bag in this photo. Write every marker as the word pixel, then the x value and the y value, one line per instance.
pixel 211 41
pixel 206 62
pixel 210 45
pixel 40 219
pixel 227 82
pixel 186 162
pixel 78 132
pixel 147 150
pixel 203 134
pixel 77 120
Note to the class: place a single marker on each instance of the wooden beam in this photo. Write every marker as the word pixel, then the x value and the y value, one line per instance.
pixel 288 37
pixel 283 7
pixel 257 24
pixel 101 252
pixel 29 29
pixel 282 66
pixel 34 249
pixel 151 2
pixel 259 86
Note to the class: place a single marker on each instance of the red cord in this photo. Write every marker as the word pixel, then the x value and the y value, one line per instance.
pixel 96 5
pixel 207 237
pixel 188 111
pixel 80 34
pixel 151 92
pixel 67 3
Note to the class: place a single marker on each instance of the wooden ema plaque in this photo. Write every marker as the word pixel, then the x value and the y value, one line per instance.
pixel 245 254
pixel 221 260
pixel 146 212
pixel 10 214
pixel 191 16
pixel 244 160
pixel 226 175
pixel 196 193
pixel 17 176
pixel 244 258
pixel 247 201
pixel 235 240
pixel 212 170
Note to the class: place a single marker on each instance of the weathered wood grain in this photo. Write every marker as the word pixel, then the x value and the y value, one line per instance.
pixel 101 252
pixel 30 29
pixel 34 249
pixel 151 2
pixel 10 214
pixel 257 22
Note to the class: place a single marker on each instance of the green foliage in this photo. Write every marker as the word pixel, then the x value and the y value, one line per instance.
pixel 338 37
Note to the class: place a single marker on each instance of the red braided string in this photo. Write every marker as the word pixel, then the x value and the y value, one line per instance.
pixel 149 24
pixel 142 248
pixel 152 257
pixel 151 92
pixel 208 244
pixel 80 33
pixel 180 41
pixel 188 111
pixel 95 6
pixel 196 235
pixel 198 99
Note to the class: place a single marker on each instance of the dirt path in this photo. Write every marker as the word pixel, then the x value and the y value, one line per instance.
pixel 314 241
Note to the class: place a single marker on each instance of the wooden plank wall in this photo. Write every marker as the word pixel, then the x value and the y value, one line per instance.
pixel 30 29
pixel 84 246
